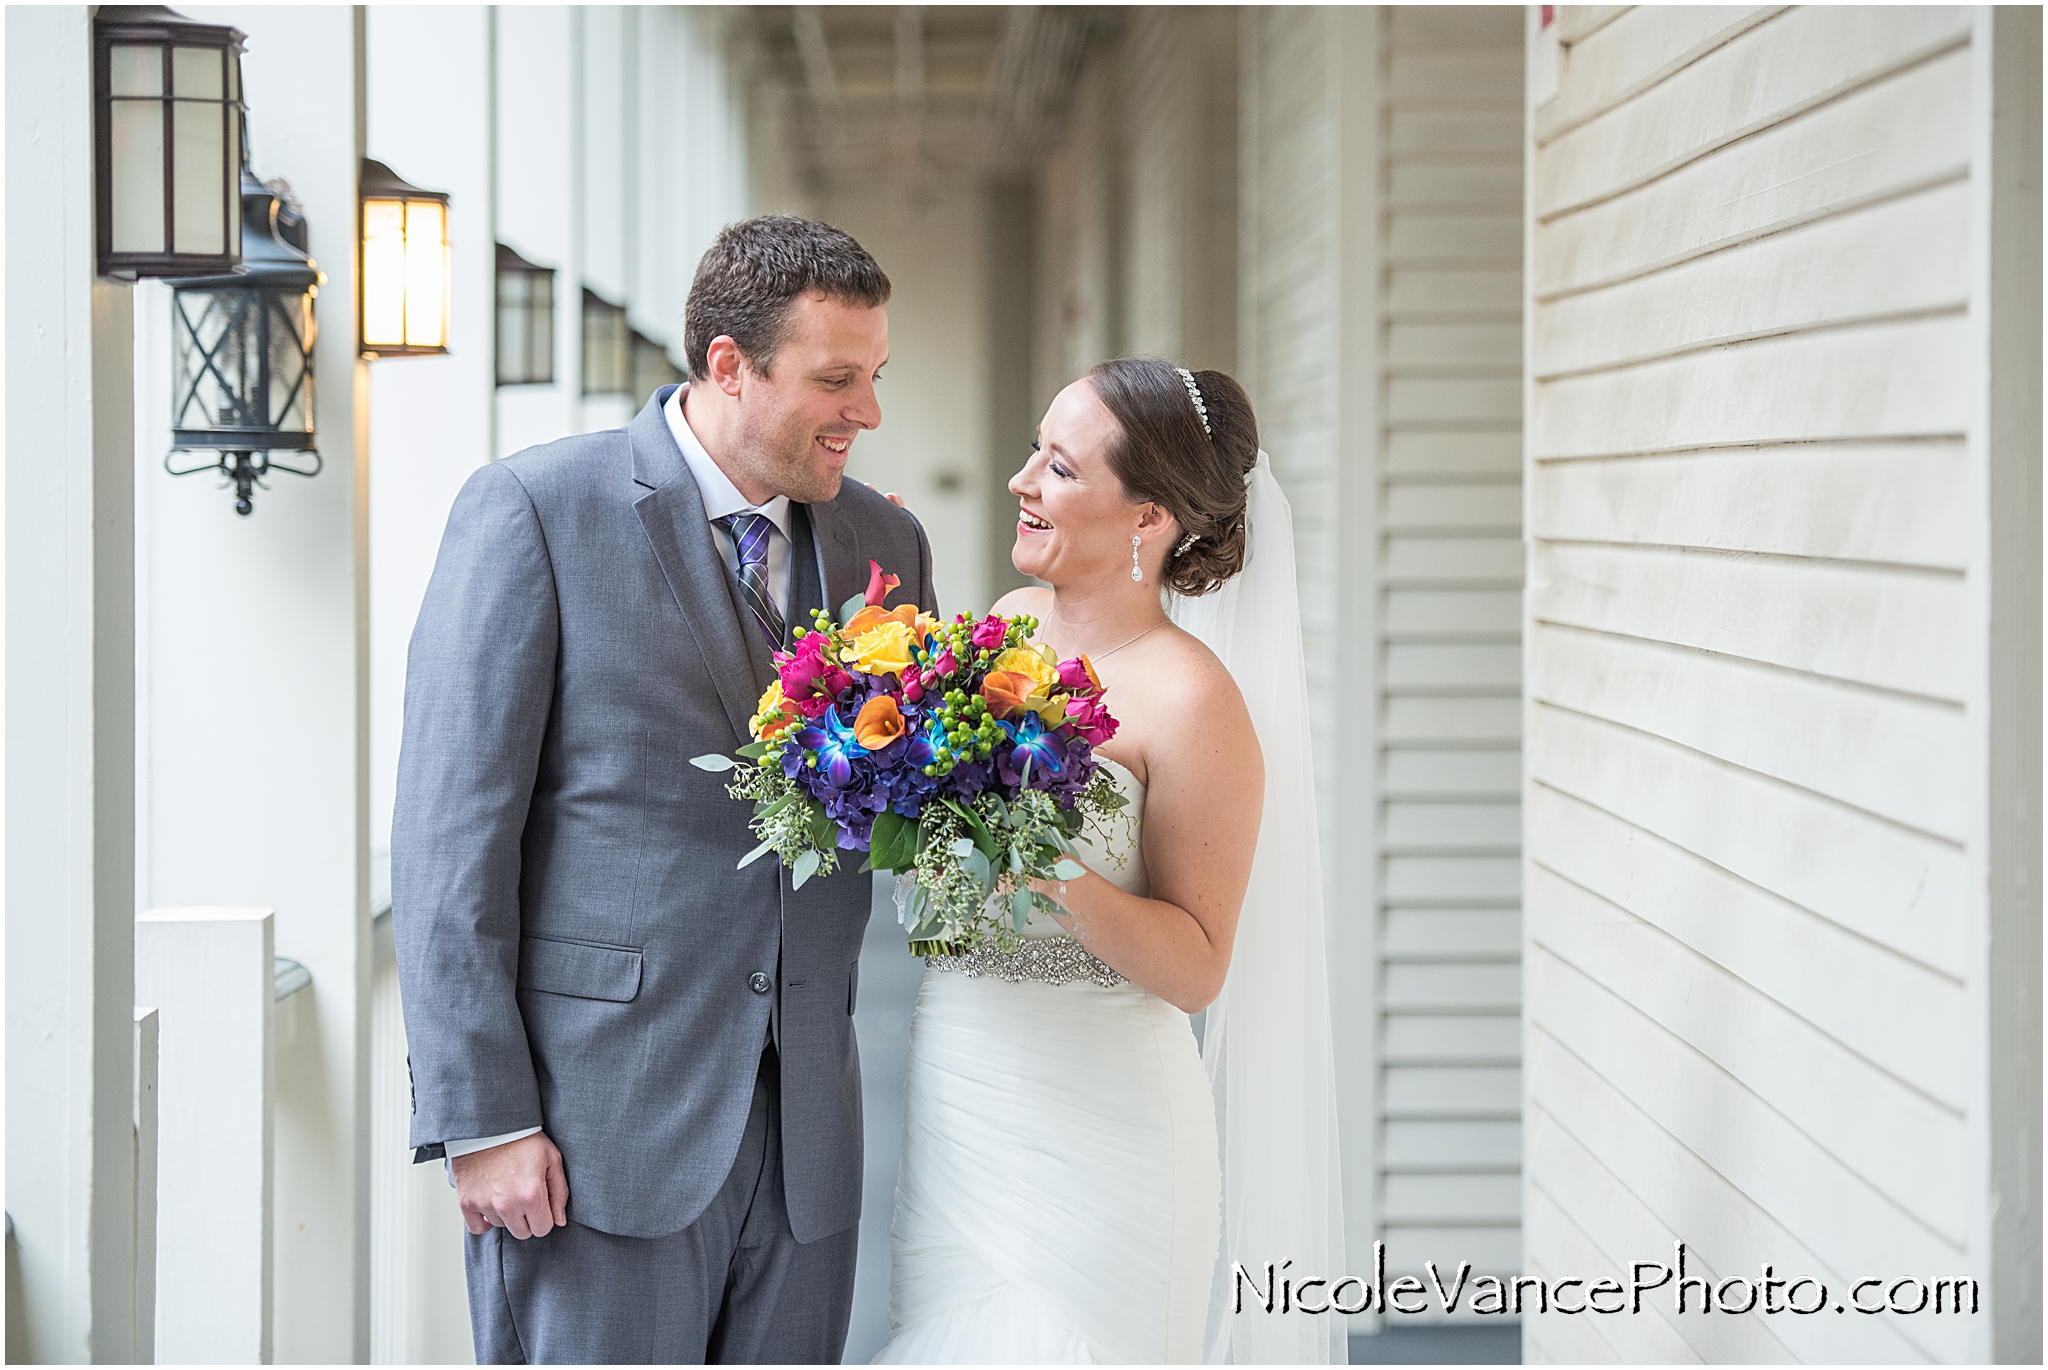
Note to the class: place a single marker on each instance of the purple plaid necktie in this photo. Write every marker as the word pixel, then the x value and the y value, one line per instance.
pixel 750 536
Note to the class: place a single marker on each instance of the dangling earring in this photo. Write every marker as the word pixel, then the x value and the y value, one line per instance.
pixel 1136 573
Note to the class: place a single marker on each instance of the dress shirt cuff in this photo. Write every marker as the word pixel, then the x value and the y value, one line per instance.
pixel 486 1143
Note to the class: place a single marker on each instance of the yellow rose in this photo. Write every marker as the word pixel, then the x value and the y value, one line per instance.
pixel 1026 661
pixel 1053 712
pixel 883 649
pixel 778 719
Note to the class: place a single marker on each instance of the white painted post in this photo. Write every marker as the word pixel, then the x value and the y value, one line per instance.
pixel 70 712
pixel 290 639
pixel 209 972
pixel 146 1056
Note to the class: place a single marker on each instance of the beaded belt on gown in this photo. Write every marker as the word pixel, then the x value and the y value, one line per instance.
pixel 1053 960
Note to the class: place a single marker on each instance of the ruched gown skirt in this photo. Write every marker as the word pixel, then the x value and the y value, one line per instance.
pixel 1060 1197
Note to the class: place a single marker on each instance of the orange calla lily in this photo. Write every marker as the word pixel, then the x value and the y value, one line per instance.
pixel 905 614
pixel 880 723
pixel 1006 691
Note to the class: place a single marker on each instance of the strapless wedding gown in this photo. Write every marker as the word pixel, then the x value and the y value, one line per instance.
pixel 1060 1198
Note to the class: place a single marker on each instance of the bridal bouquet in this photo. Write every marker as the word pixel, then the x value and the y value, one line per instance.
pixel 954 754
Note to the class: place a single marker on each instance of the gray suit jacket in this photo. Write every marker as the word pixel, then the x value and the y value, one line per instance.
pixel 575 948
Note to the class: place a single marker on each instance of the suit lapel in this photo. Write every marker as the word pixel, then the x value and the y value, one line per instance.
pixel 840 567
pixel 672 514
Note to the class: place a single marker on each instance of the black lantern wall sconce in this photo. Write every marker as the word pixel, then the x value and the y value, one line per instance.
pixel 168 149
pixel 242 353
pixel 403 294
pixel 652 368
pixel 526 321
pixel 607 346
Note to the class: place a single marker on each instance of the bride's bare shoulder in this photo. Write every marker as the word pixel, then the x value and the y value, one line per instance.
pixel 1185 672
pixel 1026 599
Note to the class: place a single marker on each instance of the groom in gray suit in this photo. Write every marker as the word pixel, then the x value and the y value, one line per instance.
pixel 637 1059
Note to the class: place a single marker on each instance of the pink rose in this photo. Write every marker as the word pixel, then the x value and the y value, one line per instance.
pixel 945 665
pixel 1077 674
pixel 805 673
pixel 1090 721
pixel 990 632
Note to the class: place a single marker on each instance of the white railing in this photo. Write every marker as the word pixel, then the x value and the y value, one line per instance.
pixel 211 976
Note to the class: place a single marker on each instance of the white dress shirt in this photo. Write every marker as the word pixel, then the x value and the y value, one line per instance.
pixel 721 499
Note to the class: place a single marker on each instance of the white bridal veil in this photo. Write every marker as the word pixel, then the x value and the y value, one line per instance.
pixel 1266 1040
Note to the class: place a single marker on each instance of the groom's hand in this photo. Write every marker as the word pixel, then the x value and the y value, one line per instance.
pixel 519 1186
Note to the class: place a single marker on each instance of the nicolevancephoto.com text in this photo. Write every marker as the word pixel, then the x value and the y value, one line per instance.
pixel 1275 1291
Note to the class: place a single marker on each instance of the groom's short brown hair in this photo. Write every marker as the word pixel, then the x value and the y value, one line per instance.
pixel 748 279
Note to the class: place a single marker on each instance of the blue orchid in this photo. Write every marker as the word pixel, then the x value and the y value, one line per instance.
pixel 1045 751
pixel 834 744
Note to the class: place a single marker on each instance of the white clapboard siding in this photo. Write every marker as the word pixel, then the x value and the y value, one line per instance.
pixel 1761 77
pixel 1894 756
pixel 1901 503
pixel 1891 1136
pixel 1898 134
pixel 1614 1219
pixel 1898 257
pixel 1884 628
pixel 1635 51
pixel 1893 1011
pixel 1753 880
pixel 1557 1243
pixel 1448 577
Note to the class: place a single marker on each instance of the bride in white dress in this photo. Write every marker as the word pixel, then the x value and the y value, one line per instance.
pixel 1080 1175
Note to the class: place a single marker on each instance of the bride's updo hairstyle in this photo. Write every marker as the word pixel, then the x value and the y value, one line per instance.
pixel 1163 457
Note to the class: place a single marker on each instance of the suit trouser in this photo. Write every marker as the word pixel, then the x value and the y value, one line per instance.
pixel 735 1286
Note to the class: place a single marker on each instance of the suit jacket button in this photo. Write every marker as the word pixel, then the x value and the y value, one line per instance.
pixel 759 982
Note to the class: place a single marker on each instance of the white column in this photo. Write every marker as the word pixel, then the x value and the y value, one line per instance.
pixel 429 82
pixel 208 971
pixel 430 71
pixel 69 806
pixel 256 677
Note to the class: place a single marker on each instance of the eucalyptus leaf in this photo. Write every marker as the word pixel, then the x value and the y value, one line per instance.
pixel 963 847
pixel 806 866
pixel 852 607
pixel 714 762
pixel 1016 861
pixel 1020 909
pixel 754 751
pixel 978 865
pixel 755 855
pixel 1069 869
pixel 768 808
